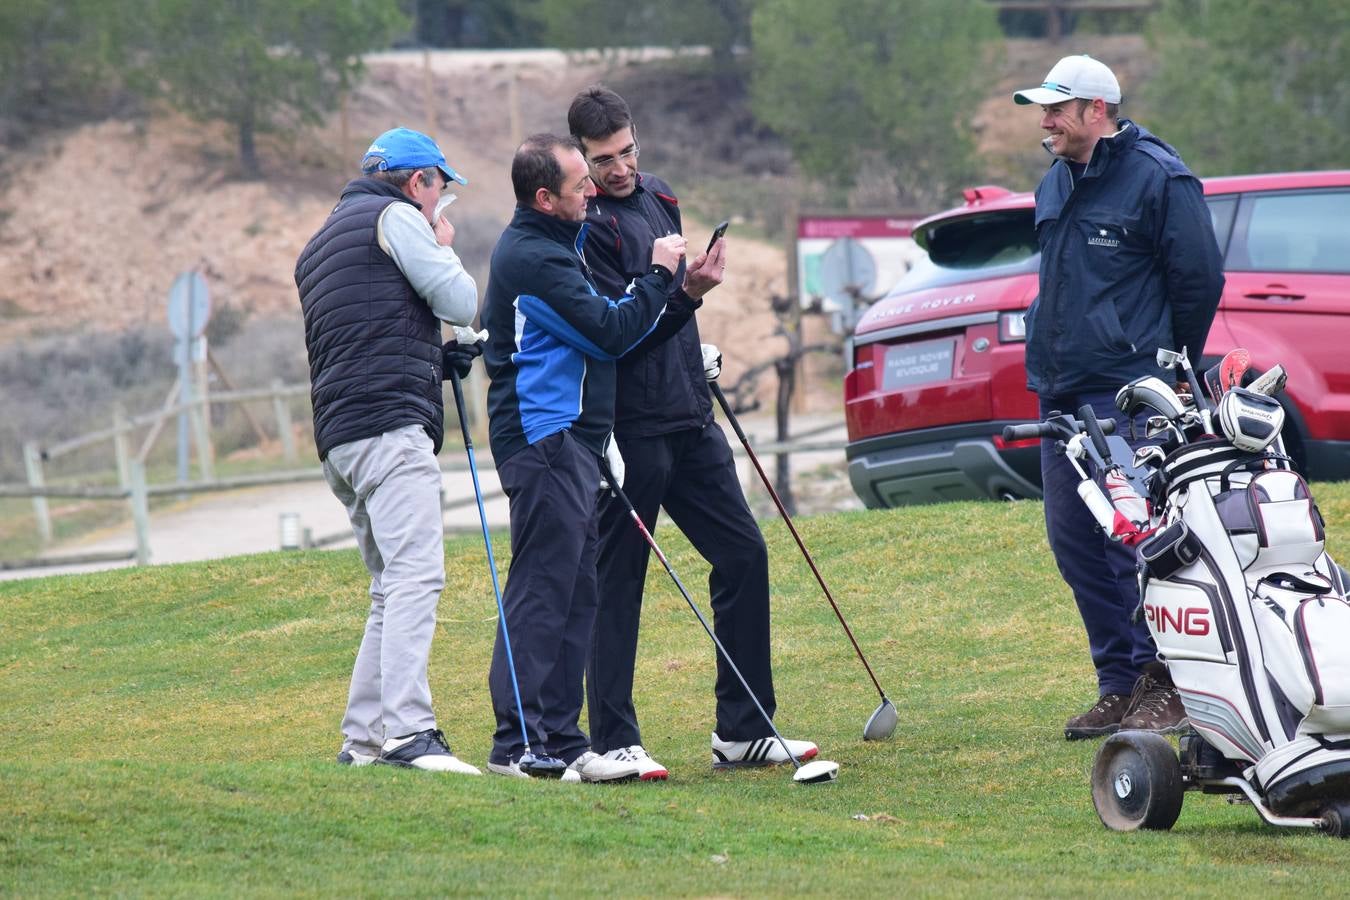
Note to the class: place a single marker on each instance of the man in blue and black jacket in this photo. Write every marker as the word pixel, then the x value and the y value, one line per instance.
pixel 1129 264
pixel 677 458
pixel 550 355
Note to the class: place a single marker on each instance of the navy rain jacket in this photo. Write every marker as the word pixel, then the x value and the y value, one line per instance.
pixel 552 339
pixel 1129 264
pixel 662 388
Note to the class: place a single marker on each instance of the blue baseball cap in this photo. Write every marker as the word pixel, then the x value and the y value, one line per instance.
pixel 403 148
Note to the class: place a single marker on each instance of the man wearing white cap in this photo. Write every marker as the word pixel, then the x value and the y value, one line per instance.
pixel 376 281
pixel 1129 264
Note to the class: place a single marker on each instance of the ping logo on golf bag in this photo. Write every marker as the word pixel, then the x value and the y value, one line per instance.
pixel 1192 620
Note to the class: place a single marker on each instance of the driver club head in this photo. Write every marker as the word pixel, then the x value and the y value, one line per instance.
pixel 542 766
pixel 817 771
pixel 882 723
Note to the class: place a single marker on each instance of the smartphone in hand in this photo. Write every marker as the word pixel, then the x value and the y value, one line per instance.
pixel 720 230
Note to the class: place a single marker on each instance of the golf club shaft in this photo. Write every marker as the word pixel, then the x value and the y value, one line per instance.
pixel 492 563
pixel 763 476
pixel 651 542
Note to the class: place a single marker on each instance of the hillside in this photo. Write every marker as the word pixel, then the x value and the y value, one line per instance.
pixel 141 201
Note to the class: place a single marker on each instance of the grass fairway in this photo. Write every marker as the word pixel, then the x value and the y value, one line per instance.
pixel 171 730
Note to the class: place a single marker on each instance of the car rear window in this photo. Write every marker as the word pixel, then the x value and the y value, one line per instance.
pixel 974 248
pixel 1292 232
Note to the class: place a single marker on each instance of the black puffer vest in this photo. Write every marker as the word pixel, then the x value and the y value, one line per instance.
pixel 374 344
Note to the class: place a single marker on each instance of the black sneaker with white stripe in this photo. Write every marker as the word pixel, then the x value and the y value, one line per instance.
pixel 766 751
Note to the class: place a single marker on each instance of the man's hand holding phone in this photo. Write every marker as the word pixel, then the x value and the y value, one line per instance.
pixel 705 272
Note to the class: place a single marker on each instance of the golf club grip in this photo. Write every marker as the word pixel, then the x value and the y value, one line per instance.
pixel 726 408
pixel 1094 430
pixel 459 408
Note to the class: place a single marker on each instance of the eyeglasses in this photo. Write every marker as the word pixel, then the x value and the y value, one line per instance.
pixel 627 156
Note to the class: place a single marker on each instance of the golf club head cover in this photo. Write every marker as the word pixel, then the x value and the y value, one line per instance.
pixel 712 361
pixel 458 358
pixel 1249 420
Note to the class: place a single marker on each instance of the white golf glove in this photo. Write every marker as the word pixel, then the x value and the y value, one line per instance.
pixel 615 462
pixel 712 361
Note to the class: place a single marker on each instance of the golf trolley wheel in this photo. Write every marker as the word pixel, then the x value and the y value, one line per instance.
pixel 1336 820
pixel 1136 782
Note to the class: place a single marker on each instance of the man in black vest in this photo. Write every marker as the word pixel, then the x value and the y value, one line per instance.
pixel 376 281
pixel 676 457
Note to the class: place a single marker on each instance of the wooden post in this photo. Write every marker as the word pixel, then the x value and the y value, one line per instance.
pixel 120 430
pixel 159 423
pixel 201 425
pixel 140 512
pixel 32 463
pixel 283 414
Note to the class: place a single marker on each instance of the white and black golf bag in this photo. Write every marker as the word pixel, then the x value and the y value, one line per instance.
pixel 1251 616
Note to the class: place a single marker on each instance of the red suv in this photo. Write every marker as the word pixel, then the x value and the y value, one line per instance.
pixel 938 362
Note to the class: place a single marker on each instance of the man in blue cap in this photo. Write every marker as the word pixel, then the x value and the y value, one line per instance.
pixel 376 281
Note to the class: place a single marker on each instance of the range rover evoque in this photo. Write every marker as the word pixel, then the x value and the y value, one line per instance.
pixel 937 364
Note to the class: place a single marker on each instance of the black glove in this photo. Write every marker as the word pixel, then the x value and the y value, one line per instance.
pixel 458 358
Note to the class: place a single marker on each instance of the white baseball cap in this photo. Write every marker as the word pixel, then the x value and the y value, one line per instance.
pixel 1079 77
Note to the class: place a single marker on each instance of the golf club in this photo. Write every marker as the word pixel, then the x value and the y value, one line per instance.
pixel 881 724
pixel 1168 359
pixel 814 772
pixel 1271 381
pixel 532 765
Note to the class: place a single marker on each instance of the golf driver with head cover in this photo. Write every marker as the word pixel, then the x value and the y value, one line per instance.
pixel 815 772
pixel 881 724
pixel 532 765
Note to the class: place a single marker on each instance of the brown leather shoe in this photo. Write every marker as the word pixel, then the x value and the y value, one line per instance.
pixel 1155 704
pixel 1103 719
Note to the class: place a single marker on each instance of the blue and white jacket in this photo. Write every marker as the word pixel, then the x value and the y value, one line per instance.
pixel 552 339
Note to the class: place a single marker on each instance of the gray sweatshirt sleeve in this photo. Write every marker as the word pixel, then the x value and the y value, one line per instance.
pixel 434 271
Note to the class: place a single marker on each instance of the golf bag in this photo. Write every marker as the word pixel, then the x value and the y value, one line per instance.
pixel 1251 616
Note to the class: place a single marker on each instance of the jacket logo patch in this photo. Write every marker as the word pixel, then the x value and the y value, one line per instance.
pixel 1103 239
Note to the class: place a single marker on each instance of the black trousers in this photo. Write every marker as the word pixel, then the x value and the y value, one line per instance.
pixel 691 473
pixel 549 599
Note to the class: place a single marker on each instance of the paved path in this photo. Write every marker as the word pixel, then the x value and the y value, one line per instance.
pixel 210 526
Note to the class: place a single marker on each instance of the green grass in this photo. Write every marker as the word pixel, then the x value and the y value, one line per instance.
pixel 170 731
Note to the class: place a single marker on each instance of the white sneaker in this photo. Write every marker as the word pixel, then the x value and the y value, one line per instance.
pixel 591 766
pixel 760 752
pixel 648 768
pixel 512 769
pixel 426 750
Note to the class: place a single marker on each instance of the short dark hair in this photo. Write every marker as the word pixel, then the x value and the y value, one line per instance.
pixel 597 112
pixel 535 166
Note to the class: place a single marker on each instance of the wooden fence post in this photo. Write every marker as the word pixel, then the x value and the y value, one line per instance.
pixel 120 430
pixel 32 463
pixel 140 512
pixel 283 414
pixel 201 425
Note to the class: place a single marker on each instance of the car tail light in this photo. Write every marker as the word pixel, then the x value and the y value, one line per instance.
pixel 1012 326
